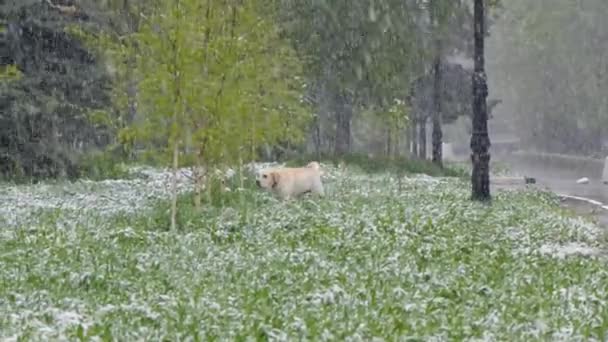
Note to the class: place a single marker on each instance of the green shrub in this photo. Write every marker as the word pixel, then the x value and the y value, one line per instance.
pixel 102 165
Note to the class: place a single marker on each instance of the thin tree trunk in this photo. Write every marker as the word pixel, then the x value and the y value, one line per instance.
pixel 422 139
pixel 480 141
pixel 437 137
pixel 397 143
pixel 317 136
pixel 409 141
pixel 241 178
pixel 199 175
pixel 342 142
pixel 178 111
pixel 388 141
pixel 414 137
pixel 174 186
pixel 343 129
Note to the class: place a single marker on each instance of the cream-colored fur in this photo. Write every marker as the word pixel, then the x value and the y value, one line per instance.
pixel 290 182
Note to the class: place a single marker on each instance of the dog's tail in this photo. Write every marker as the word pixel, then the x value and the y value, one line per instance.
pixel 315 166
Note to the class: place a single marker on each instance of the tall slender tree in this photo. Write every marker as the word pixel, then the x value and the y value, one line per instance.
pixel 480 140
pixel 437 135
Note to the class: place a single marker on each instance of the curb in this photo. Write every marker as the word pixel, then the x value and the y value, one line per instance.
pixel 583 199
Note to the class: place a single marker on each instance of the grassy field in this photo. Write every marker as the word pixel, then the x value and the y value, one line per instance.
pixel 380 257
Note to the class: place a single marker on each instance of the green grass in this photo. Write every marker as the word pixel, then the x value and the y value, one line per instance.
pixel 378 257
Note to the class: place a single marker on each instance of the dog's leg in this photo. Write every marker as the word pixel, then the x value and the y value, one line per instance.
pixel 321 192
pixel 317 188
pixel 283 194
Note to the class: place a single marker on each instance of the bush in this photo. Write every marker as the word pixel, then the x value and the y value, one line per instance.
pixel 101 165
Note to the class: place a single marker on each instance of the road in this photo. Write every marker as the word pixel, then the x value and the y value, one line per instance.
pixel 563 181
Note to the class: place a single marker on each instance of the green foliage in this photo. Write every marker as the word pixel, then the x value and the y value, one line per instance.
pixel 220 195
pixel 9 73
pixel 359 56
pixel 223 86
pixel 49 83
pixel 99 165
pixel 116 48
pixel 397 116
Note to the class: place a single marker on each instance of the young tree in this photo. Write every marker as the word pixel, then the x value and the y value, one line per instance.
pixel 215 81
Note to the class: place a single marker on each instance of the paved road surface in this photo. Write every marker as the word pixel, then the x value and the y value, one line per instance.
pixel 563 181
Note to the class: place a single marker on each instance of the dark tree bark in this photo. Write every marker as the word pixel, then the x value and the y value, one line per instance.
pixel 422 138
pixel 414 137
pixel 437 137
pixel 316 136
pixel 56 68
pixel 344 113
pixel 132 87
pixel 480 141
pixel 389 147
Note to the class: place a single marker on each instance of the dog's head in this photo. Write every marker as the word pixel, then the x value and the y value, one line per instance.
pixel 314 165
pixel 267 179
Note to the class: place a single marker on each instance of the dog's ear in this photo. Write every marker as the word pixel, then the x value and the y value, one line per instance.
pixel 275 178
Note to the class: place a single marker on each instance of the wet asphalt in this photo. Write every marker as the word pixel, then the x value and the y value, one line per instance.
pixel 564 182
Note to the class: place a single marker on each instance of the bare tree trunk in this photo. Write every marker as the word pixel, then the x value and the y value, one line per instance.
pixel 174 186
pixel 422 139
pixel 316 136
pixel 414 137
pixel 396 149
pixel 388 141
pixel 480 141
pixel 437 137
pixel 343 129
pixel 199 175
pixel 131 82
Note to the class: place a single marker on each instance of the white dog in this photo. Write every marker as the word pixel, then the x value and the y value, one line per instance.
pixel 290 181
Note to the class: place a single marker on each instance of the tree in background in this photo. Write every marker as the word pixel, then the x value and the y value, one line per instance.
pixel 441 14
pixel 549 66
pixel 370 69
pixel 44 113
pixel 445 32
pixel 359 56
pixel 113 41
pixel 443 93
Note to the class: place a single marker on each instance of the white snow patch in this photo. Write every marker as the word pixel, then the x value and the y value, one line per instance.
pixel 331 295
pixel 573 248
pixel 103 198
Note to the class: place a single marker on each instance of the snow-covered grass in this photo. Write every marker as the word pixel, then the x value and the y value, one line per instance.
pixel 379 257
